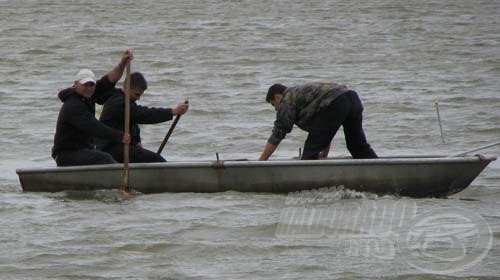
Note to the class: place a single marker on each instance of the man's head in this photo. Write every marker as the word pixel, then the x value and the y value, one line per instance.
pixel 85 83
pixel 274 95
pixel 138 85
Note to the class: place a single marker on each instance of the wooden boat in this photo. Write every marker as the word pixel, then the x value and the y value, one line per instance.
pixel 422 176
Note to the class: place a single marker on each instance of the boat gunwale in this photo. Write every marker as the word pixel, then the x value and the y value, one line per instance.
pixel 411 160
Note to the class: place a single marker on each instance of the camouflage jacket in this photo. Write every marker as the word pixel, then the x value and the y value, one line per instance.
pixel 300 104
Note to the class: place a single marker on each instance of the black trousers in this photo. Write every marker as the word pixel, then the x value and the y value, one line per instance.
pixel 346 110
pixel 136 153
pixel 83 157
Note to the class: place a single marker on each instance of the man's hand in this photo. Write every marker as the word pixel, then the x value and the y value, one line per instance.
pixel 126 138
pixel 181 109
pixel 127 56
pixel 116 73
pixel 324 153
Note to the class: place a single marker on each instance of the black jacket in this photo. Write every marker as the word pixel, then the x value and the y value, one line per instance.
pixel 113 115
pixel 77 124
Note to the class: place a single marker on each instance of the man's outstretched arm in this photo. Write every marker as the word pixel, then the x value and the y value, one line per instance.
pixel 268 151
pixel 116 73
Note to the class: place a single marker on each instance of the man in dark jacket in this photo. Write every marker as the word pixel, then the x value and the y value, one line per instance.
pixel 320 109
pixel 77 124
pixel 113 116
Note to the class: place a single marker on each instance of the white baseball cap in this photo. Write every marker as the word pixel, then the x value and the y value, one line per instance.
pixel 85 76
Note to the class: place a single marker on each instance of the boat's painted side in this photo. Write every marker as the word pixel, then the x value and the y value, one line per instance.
pixel 414 177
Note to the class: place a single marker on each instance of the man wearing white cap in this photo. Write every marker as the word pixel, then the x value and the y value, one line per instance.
pixel 77 125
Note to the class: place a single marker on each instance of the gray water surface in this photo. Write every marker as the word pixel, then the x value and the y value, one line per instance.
pixel 400 56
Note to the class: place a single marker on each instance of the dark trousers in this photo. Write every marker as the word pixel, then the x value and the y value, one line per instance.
pixel 346 110
pixel 136 153
pixel 83 157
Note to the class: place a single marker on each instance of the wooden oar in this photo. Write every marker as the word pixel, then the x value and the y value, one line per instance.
pixel 126 146
pixel 170 131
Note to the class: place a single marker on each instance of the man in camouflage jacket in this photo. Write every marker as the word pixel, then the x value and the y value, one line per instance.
pixel 320 109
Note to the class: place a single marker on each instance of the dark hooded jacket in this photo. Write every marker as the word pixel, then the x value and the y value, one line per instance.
pixel 113 115
pixel 77 124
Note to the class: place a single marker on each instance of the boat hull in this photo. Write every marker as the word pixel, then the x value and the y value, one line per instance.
pixel 413 177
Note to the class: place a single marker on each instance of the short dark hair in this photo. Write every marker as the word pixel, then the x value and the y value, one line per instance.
pixel 137 80
pixel 273 90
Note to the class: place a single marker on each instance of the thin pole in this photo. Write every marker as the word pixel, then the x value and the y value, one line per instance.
pixel 160 149
pixel 475 150
pixel 439 121
pixel 126 146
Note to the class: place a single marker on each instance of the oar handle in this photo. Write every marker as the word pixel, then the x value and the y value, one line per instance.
pixel 176 120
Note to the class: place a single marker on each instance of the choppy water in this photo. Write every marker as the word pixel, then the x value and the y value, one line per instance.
pixel 400 56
